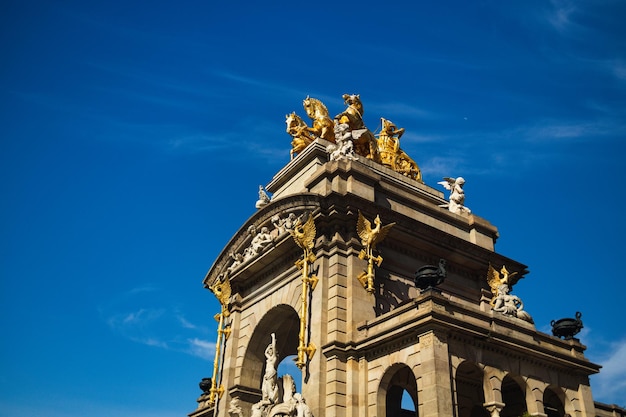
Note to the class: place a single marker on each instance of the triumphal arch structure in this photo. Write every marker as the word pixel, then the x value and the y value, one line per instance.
pixel 383 289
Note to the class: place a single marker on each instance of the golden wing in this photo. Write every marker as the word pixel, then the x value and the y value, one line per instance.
pixel 308 234
pixel 382 233
pixel 363 228
pixel 513 278
pixel 493 279
pixel 222 291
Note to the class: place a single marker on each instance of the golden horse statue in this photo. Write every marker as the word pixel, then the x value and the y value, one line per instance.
pixel 300 132
pixel 323 126
pixel 364 141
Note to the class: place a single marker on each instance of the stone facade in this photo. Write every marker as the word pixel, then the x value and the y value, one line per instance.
pixel 445 348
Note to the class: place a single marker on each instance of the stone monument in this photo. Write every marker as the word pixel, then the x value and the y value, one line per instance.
pixel 325 271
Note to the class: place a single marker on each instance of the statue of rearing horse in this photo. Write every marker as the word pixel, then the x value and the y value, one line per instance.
pixel 323 125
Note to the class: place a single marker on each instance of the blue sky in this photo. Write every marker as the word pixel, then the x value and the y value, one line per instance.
pixel 135 135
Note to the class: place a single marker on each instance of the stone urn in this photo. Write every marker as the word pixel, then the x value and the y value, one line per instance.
pixel 205 385
pixel 568 327
pixel 429 276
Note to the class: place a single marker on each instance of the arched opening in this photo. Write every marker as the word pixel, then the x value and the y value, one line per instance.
pixel 398 392
pixel 283 321
pixel 513 397
pixel 470 396
pixel 288 365
pixel 553 402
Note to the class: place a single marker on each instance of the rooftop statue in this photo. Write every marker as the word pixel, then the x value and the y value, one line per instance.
pixel 390 153
pixel 364 141
pixel 349 136
pixel 302 136
pixel 343 148
pixel 369 238
pixel 457 195
pixel 502 301
pixel 264 199
pixel 323 126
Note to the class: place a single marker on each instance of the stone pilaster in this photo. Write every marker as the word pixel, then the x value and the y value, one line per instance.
pixel 434 394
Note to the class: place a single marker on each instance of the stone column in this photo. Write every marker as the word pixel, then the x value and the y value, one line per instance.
pixel 434 394
pixel 534 397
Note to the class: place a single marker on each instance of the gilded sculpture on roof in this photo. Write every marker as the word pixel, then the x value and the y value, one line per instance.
pixel 349 136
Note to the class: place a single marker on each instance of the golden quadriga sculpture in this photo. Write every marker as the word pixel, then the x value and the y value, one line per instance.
pixel 384 150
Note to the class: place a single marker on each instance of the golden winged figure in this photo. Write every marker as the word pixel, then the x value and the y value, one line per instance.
pixel 370 237
pixel 304 234
pixel 495 280
pixel 221 289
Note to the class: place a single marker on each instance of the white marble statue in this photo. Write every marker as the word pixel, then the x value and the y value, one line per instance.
pixel 302 409
pixel 234 408
pixel 292 404
pixel 343 148
pixel 509 304
pixel 259 241
pixel 290 221
pixel 279 224
pixel 269 386
pixel 237 260
pixel 263 200
pixel 457 195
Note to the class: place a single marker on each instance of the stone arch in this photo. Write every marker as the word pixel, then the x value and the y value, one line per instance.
pixel 554 401
pixel 282 320
pixel 513 396
pixel 470 395
pixel 397 379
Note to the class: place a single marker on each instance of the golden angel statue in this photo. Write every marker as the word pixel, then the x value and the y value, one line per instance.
pixel 502 301
pixel 369 238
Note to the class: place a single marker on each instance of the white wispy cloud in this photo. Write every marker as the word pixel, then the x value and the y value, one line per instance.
pixel 403 110
pixel 147 316
pixel 610 385
pixel 618 68
pixel 441 166
pixel 561 15
pixel 185 323
pixel 201 348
